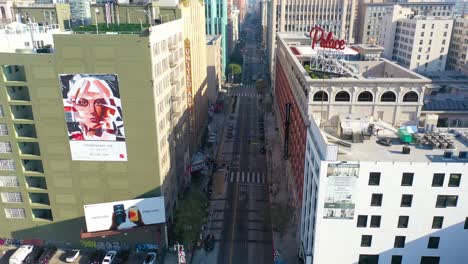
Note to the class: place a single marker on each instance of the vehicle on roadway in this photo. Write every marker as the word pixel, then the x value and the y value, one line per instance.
pixel 20 254
pixel 150 258
pixel 109 257
pixel 47 255
pixel 71 255
pixel 33 257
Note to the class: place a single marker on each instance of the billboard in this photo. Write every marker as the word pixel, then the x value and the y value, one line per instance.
pixel 93 112
pixel 124 215
pixel 340 197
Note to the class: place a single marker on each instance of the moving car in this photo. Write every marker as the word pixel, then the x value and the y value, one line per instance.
pixel 150 258
pixel 209 242
pixel 109 257
pixel 72 255
pixel 47 255
pixel 20 254
pixel 95 258
pixel 33 257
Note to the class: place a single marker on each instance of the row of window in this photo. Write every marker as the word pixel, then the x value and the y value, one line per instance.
pixel 442 201
pixel 433 242
pixel 407 179
pixel 396 259
pixel 365 96
pixel 403 221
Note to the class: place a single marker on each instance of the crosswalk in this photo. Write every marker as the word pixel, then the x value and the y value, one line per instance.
pixel 246 94
pixel 245 177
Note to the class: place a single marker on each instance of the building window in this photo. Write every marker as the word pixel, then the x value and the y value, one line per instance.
pixel 361 221
pixel 399 242
pixel 466 223
pixel 374 178
pixel 342 96
pixel 407 179
pixel 376 199
pixel 5 147
pixel 375 221
pixel 403 221
pixel 3 130
pixel 368 259
pixel 454 180
pixel 365 97
pixel 429 260
pixel 320 96
pixel 433 242
pixel 397 259
pixel 16 213
pixel 7 164
pixel 366 240
pixel 446 201
pixel 410 97
pixel 406 200
pixel 9 181
pixel 11 197
pixel 437 222
pixel 388 97
pixel 2 112
pixel 438 179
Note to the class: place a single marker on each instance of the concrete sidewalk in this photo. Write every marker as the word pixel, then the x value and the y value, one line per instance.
pixel 278 172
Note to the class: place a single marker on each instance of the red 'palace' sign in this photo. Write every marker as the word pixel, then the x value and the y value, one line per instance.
pixel 326 40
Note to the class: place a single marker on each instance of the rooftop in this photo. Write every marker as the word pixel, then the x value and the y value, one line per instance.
pixel 359 136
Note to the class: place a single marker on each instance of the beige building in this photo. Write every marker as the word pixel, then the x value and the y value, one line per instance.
pixel 214 70
pixel 193 15
pixel 419 43
pixel 458 51
pixel 45 14
pixel 7 14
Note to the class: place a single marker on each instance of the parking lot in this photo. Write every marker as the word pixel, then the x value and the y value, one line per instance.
pixel 84 258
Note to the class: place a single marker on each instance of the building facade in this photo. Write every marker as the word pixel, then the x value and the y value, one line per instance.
pixel 372 15
pixel 458 51
pixel 213 61
pixel 419 43
pixel 44 14
pixel 49 175
pixel 217 24
pixel 80 12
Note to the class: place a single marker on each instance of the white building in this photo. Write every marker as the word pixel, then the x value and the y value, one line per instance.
pixel 235 26
pixel 80 11
pixel 371 19
pixel 18 36
pixel 458 51
pixel 364 202
pixel 419 43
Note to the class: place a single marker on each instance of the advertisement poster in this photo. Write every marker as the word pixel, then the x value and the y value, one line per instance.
pixel 93 112
pixel 340 190
pixel 124 215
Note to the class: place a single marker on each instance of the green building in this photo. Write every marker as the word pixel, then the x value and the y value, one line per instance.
pixel 45 181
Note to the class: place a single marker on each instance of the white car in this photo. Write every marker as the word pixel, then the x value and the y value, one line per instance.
pixel 72 255
pixel 110 256
pixel 150 258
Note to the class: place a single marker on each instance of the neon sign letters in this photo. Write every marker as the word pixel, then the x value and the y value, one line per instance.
pixel 325 39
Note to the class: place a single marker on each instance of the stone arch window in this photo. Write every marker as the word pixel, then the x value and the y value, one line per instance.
pixel 388 97
pixel 342 96
pixel 365 97
pixel 2 12
pixel 320 96
pixel 410 97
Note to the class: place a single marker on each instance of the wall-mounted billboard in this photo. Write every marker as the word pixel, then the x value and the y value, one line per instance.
pixel 123 215
pixel 340 199
pixel 93 113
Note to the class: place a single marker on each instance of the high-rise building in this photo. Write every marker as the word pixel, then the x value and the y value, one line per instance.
pixel 377 183
pixel 94 120
pixel 419 43
pixel 241 6
pixel 214 59
pixel 372 14
pixel 217 24
pixel 458 51
pixel 80 12
pixel 235 28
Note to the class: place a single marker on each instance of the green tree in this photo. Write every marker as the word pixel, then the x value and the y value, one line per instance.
pixel 235 68
pixel 190 215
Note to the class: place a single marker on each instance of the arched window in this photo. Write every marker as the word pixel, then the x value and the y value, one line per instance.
pixel 342 97
pixel 2 12
pixel 410 97
pixel 365 97
pixel 388 97
pixel 320 96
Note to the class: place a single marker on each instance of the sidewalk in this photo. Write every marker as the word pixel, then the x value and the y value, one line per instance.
pixel 285 242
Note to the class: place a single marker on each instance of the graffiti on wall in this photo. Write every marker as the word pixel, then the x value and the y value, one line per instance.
pixel 104 245
pixel 19 242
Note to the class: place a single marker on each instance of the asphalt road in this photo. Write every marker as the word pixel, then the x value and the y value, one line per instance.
pixel 247 235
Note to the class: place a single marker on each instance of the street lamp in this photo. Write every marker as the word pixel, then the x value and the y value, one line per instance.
pixel 96 11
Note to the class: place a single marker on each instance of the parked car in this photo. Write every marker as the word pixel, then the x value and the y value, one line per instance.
pixel 71 255
pixel 150 258
pixel 47 255
pixel 95 258
pixel 109 257
pixel 209 242
pixel 20 254
pixel 33 257
pixel 384 141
